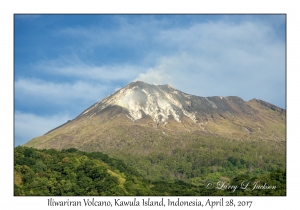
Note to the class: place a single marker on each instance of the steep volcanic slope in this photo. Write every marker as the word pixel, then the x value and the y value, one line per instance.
pixel 141 111
pixel 167 134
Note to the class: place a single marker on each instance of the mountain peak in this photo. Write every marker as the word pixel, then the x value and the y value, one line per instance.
pixel 138 83
pixel 139 98
pixel 142 84
pixel 163 105
pixel 153 100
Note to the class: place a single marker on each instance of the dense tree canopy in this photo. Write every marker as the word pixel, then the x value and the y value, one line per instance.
pixel 72 172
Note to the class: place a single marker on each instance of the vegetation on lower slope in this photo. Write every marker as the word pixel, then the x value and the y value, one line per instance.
pixel 72 172
pixel 194 158
pixel 224 147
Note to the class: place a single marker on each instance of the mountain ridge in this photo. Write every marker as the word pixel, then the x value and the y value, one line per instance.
pixel 140 111
pixel 163 104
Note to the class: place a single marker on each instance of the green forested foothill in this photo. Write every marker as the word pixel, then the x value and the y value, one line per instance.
pixel 71 172
pixel 196 158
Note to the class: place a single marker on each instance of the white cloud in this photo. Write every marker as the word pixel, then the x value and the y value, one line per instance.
pixel 125 34
pixel 73 67
pixel 28 125
pixel 245 59
pixel 155 76
pixel 36 89
pixel 222 57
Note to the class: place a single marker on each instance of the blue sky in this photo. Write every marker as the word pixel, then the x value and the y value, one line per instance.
pixel 65 63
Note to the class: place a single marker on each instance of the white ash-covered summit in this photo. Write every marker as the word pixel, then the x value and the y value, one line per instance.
pixel 162 102
pixel 139 99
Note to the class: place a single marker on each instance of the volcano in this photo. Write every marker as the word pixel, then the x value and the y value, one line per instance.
pixel 165 110
pixel 141 111
pixel 167 134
